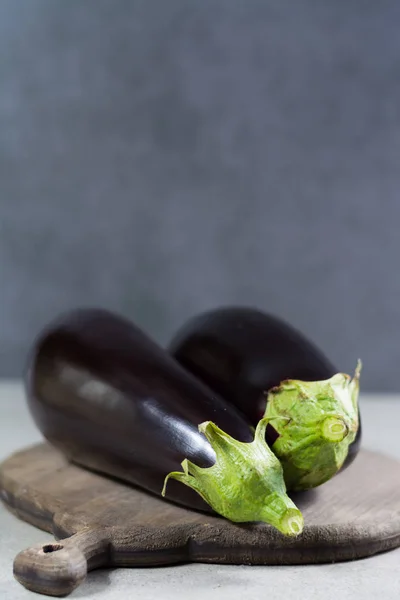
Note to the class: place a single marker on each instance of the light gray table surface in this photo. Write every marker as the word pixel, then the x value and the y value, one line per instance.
pixel 376 577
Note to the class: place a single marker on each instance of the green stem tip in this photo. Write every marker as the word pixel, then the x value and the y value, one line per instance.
pixel 334 429
pixel 292 522
pixel 246 482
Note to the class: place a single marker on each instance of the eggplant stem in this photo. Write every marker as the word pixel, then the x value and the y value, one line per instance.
pixel 334 429
pixel 316 422
pixel 245 483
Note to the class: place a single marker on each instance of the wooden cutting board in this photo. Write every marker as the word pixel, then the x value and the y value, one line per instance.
pixel 99 522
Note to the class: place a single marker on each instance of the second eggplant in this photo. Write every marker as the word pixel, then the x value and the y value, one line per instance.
pixel 265 367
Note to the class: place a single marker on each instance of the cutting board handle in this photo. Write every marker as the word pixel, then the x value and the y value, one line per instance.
pixel 57 568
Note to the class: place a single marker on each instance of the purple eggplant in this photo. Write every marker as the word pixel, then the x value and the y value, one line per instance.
pixel 265 367
pixel 113 401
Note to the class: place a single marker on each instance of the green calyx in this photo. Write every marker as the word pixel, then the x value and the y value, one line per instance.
pixel 316 422
pixel 246 482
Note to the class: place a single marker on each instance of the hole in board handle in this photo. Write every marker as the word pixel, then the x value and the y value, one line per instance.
pixel 52 548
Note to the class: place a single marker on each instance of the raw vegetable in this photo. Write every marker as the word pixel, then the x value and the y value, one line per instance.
pixel 264 366
pixel 249 475
pixel 112 400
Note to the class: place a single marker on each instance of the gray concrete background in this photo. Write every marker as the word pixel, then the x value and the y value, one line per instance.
pixel 162 157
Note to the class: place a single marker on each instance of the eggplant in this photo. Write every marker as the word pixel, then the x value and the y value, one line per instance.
pixel 265 367
pixel 114 401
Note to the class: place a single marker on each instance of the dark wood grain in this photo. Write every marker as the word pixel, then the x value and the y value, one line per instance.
pixel 99 522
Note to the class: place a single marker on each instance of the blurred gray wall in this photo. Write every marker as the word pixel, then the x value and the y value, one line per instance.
pixel 163 157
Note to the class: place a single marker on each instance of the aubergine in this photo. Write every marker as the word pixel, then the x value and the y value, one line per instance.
pixel 114 401
pixel 266 368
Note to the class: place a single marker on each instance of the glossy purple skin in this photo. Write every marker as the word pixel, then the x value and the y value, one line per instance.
pixel 241 353
pixel 114 401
